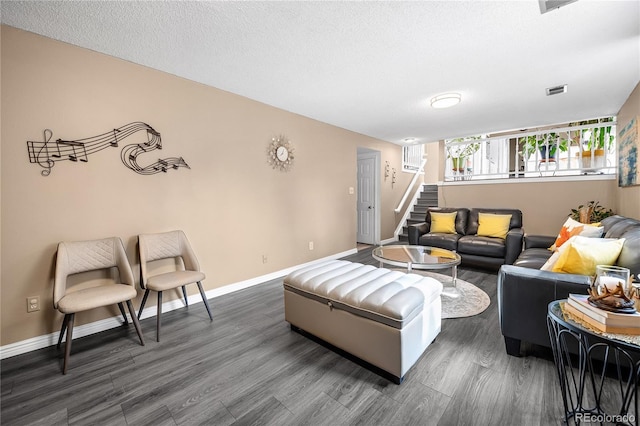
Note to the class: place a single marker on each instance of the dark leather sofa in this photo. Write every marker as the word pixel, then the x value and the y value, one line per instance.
pixel 484 252
pixel 524 291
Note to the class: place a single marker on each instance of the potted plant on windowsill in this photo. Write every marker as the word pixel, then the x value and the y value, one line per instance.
pixel 459 153
pixel 552 141
pixel 594 144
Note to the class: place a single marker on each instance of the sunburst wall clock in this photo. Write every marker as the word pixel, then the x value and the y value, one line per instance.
pixel 280 154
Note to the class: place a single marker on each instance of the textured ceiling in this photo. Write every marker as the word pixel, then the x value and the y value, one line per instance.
pixel 372 67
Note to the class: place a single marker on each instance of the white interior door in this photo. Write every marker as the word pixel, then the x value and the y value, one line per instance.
pixel 366 199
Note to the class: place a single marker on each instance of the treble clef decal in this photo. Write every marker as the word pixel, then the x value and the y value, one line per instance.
pixel 80 149
pixel 39 153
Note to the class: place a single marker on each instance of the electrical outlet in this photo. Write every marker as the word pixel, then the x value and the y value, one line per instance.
pixel 264 258
pixel 33 303
pixel 310 245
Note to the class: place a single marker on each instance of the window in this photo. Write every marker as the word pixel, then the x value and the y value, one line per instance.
pixel 412 157
pixel 580 148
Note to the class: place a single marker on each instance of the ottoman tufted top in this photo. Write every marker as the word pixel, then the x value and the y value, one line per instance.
pixel 390 297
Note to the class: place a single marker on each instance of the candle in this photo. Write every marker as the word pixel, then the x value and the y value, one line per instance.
pixel 610 277
pixel 611 283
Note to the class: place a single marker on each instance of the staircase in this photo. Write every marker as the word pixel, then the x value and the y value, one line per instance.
pixel 428 198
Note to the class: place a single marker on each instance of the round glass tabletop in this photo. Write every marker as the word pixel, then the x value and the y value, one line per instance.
pixel 417 257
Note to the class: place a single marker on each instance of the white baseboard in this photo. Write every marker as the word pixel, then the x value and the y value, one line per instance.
pixel 46 340
pixel 389 241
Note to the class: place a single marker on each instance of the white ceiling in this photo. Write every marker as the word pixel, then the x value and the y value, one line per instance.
pixel 372 67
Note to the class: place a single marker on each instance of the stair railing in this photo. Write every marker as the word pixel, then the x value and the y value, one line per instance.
pixel 416 194
pixel 413 181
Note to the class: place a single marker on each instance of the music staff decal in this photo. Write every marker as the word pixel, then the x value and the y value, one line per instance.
pixel 48 152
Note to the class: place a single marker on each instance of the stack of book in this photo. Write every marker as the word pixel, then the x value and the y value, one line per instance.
pixel 601 320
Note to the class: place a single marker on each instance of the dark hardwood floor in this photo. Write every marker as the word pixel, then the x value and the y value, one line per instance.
pixel 248 367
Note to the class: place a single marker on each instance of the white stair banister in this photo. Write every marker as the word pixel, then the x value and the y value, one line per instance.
pixel 413 181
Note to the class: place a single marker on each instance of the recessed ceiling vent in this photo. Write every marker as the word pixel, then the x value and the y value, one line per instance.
pixel 549 5
pixel 556 90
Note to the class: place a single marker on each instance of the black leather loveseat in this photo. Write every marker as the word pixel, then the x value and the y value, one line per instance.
pixel 485 252
pixel 524 291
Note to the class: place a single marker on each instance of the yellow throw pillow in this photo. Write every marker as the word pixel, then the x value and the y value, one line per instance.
pixel 493 225
pixel 444 223
pixel 551 262
pixel 583 254
pixel 572 228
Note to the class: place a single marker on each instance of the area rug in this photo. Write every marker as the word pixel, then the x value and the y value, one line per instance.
pixel 472 300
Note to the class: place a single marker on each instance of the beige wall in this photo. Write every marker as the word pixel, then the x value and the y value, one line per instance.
pixel 544 205
pixel 628 199
pixel 232 205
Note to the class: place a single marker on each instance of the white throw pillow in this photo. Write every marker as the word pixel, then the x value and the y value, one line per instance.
pixel 572 227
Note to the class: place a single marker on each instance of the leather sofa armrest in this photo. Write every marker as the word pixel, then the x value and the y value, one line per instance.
pixel 524 295
pixel 538 241
pixel 513 245
pixel 415 231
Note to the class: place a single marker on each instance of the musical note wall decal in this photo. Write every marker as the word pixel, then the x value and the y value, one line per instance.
pixel 46 154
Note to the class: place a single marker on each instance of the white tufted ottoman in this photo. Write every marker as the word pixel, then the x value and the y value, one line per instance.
pixel 385 318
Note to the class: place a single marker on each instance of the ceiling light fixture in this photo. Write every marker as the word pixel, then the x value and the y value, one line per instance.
pixel 409 140
pixel 446 100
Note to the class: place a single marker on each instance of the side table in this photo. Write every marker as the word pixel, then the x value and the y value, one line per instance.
pixel 599 379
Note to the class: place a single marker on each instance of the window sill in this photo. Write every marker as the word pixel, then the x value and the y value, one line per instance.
pixel 575 178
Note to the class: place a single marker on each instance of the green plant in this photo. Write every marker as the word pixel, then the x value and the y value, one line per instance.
pixel 531 144
pixel 459 152
pixel 463 151
pixel 593 212
pixel 596 138
pixel 600 138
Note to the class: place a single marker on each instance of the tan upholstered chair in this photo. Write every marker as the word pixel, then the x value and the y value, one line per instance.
pixel 168 245
pixel 84 256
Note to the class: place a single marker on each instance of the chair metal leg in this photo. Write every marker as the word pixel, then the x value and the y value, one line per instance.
pixel 184 293
pixel 204 299
pixel 144 301
pixel 159 315
pixel 136 323
pixel 63 329
pixel 67 349
pixel 124 314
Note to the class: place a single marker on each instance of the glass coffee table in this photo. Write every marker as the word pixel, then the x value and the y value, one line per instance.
pixel 423 258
